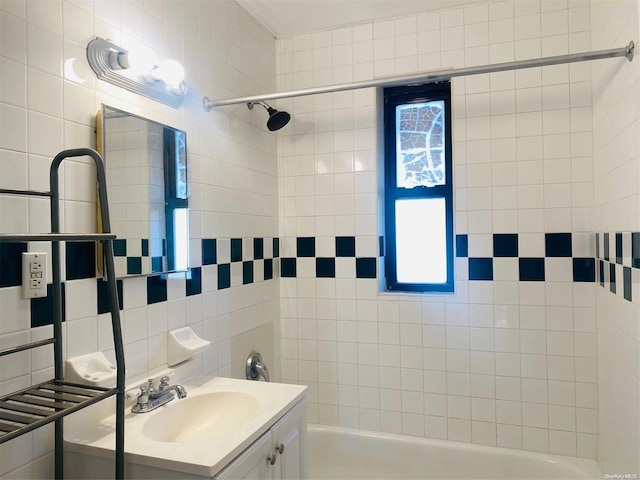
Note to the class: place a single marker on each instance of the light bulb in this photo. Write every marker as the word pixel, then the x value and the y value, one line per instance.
pixel 140 61
pixel 169 72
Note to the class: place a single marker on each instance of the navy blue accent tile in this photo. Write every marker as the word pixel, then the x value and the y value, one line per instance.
pixel 145 247
pixel 612 277
pixel 42 308
pixel 120 247
pixel 268 269
pixel 619 248
pixel 11 263
pixel 80 260
pixel 156 264
pixel 156 289
pixel 366 267
pixel 288 267
pixel 381 246
pixel 134 265
pixel 325 267
pixel 635 249
pixel 258 248
pixel 305 247
pixel 505 245
pixel 606 247
pixel 462 246
pixel 601 272
pixel 194 281
pixel 598 254
pixel 531 269
pixel 236 249
pixel 276 247
pixel 209 253
pixel 480 268
pixel 627 282
pixel 104 306
pixel 584 269
pixel 557 244
pixel 247 272
pixel 224 276
pixel 346 246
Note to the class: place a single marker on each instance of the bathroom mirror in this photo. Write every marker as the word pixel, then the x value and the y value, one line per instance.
pixel 146 171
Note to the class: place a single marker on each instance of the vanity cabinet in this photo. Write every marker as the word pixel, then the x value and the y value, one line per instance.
pixel 278 454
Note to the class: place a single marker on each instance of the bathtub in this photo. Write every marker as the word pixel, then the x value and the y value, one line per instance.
pixel 342 453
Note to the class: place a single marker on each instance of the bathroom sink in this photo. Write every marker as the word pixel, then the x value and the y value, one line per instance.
pixel 201 416
pixel 197 435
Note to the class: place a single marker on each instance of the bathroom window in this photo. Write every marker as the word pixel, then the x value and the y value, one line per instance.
pixel 418 188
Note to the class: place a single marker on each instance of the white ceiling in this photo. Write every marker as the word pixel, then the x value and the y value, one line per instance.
pixel 291 17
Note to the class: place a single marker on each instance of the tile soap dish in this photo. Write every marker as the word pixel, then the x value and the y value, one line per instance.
pixel 93 369
pixel 182 344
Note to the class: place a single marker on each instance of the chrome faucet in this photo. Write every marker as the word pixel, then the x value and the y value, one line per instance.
pixel 255 368
pixel 151 398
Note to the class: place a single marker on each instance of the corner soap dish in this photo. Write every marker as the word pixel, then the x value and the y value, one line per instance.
pixel 92 369
pixel 182 344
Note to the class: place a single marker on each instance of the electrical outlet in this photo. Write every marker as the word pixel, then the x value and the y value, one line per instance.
pixel 34 275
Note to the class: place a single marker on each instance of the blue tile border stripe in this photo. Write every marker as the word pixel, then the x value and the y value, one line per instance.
pixel 617 262
pixel 550 247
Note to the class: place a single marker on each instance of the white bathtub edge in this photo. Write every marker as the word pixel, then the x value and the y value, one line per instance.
pixel 589 468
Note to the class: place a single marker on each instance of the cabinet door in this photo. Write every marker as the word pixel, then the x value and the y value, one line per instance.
pixel 252 464
pixel 289 445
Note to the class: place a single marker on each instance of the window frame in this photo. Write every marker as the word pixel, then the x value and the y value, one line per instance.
pixel 393 97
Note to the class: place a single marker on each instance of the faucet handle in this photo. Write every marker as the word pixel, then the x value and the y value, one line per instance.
pixel 164 382
pixel 143 398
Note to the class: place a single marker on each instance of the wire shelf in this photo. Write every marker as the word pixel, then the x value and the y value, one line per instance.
pixel 38 405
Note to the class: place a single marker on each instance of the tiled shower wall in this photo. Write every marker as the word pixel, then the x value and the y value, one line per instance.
pixel 48 100
pixel 617 213
pixel 509 359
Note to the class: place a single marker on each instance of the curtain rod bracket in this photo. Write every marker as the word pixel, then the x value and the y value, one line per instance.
pixel 630 48
pixel 206 103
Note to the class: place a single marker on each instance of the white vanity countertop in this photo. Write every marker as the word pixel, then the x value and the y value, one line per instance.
pixel 204 457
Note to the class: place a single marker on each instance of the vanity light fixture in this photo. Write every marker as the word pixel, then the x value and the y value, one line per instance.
pixel 111 63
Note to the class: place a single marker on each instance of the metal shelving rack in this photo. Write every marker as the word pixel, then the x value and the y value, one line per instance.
pixel 50 401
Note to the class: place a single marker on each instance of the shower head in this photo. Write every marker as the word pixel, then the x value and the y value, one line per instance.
pixel 277 119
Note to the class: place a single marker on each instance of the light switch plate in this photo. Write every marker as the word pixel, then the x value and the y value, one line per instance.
pixel 34 275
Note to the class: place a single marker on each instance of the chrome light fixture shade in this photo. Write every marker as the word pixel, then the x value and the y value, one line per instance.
pixel 111 64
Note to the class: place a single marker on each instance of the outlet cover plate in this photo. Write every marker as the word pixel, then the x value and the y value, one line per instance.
pixel 34 275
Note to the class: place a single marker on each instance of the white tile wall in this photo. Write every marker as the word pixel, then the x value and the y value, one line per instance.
pixel 496 363
pixel 617 203
pixel 48 100
pixel 503 363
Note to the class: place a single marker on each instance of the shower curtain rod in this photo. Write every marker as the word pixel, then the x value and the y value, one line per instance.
pixel 435 76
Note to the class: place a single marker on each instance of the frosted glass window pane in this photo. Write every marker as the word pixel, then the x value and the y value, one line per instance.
pixel 420 150
pixel 181 240
pixel 421 241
